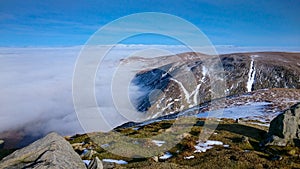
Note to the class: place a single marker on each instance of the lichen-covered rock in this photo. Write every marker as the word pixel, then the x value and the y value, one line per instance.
pixel 285 128
pixel 52 151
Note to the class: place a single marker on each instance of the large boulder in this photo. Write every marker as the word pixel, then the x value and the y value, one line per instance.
pixel 285 128
pixel 52 151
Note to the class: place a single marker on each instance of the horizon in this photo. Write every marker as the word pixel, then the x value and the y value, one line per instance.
pixel 220 49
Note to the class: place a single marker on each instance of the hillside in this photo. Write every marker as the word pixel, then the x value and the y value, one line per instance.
pixel 189 79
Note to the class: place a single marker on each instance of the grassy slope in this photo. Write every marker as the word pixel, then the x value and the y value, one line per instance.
pixel 229 132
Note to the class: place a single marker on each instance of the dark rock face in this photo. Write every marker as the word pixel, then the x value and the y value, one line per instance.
pixel 1 144
pixel 149 81
pixel 285 128
pixel 243 72
pixel 52 151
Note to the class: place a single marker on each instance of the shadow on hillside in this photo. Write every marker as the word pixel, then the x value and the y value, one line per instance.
pixel 248 131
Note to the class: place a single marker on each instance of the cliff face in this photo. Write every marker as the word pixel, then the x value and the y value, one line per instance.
pixel 169 88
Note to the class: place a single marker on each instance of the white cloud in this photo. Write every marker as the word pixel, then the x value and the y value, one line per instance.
pixel 36 88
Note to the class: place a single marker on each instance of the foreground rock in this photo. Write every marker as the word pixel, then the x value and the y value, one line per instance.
pixel 285 128
pixel 52 151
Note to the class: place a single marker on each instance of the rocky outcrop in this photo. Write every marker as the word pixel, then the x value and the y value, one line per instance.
pixel 285 128
pixel 52 151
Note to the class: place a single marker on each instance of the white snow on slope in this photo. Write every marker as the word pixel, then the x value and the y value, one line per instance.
pixel 115 161
pixel 251 74
pixel 186 93
pixel 159 143
pixel 203 146
pixel 204 71
pixel 196 93
pixel 166 156
pixel 189 157
pixel 86 162
pixel 250 110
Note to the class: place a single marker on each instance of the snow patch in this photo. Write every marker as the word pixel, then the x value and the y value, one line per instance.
pixel 159 143
pixel 251 74
pixel 186 93
pixel 86 162
pixel 250 110
pixel 189 157
pixel 196 93
pixel 157 106
pixel 203 146
pixel 85 151
pixel 169 104
pixel 204 70
pixel 115 161
pixel 212 142
pixel 167 155
pixel 226 146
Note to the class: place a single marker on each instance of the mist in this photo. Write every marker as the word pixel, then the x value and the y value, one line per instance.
pixel 36 89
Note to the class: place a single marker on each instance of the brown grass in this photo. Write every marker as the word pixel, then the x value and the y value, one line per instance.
pixel 238 155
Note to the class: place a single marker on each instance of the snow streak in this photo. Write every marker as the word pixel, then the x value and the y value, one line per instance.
pixel 195 92
pixel 251 75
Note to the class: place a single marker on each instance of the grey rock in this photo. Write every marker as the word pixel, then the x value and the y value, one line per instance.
pixel 108 165
pixel 95 164
pixel 285 128
pixel 155 158
pixel 52 151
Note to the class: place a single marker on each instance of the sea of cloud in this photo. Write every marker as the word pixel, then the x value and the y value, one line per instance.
pixel 36 86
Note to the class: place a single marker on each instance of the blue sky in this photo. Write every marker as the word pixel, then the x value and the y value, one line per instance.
pixel 68 23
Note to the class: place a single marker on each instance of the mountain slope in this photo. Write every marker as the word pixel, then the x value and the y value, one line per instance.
pixel 185 80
